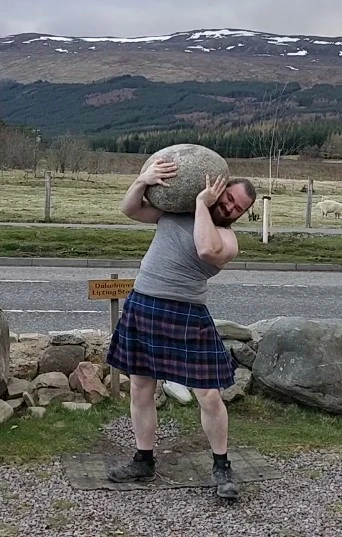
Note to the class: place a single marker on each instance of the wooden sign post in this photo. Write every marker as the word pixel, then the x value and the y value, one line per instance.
pixel 112 290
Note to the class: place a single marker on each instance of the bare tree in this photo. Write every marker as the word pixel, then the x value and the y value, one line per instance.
pixel 68 151
pixel 270 137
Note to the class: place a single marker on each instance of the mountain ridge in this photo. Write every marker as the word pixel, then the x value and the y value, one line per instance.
pixel 204 54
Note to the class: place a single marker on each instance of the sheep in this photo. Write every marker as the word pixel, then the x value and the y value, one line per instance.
pixel 255 212
pixel 329 206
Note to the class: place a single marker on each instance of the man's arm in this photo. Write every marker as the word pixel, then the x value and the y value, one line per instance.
pixel 134 205
pixel 215 245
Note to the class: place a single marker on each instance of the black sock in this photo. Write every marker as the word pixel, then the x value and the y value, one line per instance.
pixel 218 458
pixel 146 454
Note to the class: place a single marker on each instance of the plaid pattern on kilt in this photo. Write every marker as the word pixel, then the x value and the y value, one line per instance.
pixel 170 340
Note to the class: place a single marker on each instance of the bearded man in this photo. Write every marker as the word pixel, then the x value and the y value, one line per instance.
pixel 166 331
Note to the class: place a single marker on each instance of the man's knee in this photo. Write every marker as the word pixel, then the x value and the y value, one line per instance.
pixel 142 389
pixel 209 400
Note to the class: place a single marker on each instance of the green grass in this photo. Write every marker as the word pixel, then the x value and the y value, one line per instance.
pixel 60 431
pixel 269 426
pixel 96 199
pixel 127 244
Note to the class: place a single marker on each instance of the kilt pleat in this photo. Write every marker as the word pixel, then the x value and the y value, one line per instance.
pixel 170 340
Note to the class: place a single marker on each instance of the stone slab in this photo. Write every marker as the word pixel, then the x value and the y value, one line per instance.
pixel 174 470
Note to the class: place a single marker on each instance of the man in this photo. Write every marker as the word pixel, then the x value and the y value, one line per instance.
pixel 166 331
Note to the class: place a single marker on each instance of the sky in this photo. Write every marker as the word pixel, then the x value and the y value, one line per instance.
pixel 133 18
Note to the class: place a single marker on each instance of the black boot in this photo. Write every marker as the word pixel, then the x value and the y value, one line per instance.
pixel 223 477
pixel 136 470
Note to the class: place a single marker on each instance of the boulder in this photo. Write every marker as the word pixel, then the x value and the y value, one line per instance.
pixel 6 411
pixel 16 404
pixel 241 351
pixel 260 328
pixel 160 396
pixel 16 387
pixel 4 353
pixel 50 380
pixel 99 370
pixel 24 357
pixel 300 360
pixel 107 382
pixel 194 162
pixel 178 392
pixel 231 330
pixel 243 380
pixel 71 337
pixel 36 411
pixel 28 399
pixel 77 406
pixel 125 384
pixel 86 381
pixel 30 336
pixel 62 358
pixel 46 396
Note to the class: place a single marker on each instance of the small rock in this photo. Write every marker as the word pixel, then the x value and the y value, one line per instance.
pixel 25 366
pixel 178 392
pixel 86 381
pixel 28 399
pixel 107 382
pixel 14 338
pixel 125 384
pixel 46 396
pixel 36 411
pixel 243 378
pixel 106 369
pixel 6 411
pixel 231 330
pixel 16 387
pixel 50 380
pixel 61 358
pixel 99 370
pixel 70 337
pixel 30 337
pixel 235 392
pixel 76 406
pixel 160 396
pixel 16 404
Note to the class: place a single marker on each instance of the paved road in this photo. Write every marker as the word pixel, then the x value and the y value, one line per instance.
pixel 42 299
pixel 312 231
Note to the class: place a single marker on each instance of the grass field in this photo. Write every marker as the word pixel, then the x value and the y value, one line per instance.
pixel 132 244
pixel 97 200
pixel 267 425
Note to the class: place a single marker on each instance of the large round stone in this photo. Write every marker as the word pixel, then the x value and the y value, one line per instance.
pixel 194 162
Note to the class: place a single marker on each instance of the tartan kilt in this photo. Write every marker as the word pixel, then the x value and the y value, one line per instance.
pixel 170 340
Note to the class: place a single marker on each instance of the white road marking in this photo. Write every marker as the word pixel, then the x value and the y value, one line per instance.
pixel 272 285
pixel 54 311
pixel 25 281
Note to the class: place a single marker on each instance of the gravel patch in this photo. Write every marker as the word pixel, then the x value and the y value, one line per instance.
pixel 305 502
pixel 121 432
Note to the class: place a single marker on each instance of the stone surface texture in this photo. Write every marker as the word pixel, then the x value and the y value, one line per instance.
pixel 194 162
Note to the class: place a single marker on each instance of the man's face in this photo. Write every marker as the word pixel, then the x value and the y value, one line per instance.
pixel 232 204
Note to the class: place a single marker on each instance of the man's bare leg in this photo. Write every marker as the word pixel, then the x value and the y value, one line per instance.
pixel 214 419
pixel 144 421
pixel 143 411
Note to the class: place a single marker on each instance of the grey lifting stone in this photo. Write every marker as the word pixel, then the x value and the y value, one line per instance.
pixel 194 162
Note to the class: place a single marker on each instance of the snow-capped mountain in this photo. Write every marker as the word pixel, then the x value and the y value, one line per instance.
pixel 201 54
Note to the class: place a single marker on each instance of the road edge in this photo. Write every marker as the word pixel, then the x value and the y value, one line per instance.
pixel 135 263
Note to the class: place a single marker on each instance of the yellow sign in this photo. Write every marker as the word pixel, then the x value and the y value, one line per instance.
pixel 109 289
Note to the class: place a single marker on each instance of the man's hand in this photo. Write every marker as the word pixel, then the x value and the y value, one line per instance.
pixel 158 171
pixel 212 193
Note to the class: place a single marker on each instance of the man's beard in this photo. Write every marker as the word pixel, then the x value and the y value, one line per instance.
pixel 219 215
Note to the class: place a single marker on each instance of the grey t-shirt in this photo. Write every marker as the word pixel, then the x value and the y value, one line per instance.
pixel 171 268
